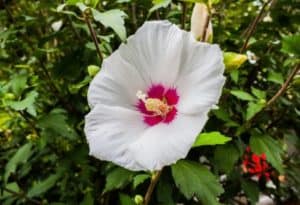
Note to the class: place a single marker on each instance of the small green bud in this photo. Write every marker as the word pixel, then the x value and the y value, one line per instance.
pixel 93 70
pixel 233 60
pixel 138 199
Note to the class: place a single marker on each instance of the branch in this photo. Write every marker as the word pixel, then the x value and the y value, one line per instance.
pixel 284 86
pixel 154 180
pixel 93 35
pixel 250 30
pixel 133 11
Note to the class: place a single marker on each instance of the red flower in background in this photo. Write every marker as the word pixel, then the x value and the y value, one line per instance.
pixel 256 165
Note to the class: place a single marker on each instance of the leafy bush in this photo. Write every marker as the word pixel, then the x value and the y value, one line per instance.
pixel 48 58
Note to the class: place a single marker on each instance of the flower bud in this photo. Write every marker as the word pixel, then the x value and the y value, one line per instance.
pixel 138 199
pixel 199 25
pixel 93 70
pixel 233 60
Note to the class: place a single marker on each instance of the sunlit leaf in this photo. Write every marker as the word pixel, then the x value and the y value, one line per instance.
pixel 210 138
pixel 113 19
pixel 242 95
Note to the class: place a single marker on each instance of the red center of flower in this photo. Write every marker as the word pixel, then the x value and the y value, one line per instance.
pixel 158 104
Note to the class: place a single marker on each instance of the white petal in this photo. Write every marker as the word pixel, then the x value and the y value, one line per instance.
pixel 155 50
pixel 201 77
pixel 152 55
pixel 164 144
pixel 116 83
pixel 110 130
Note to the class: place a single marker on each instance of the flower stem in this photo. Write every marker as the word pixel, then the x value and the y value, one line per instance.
pixel 250 30
pixel 94 36
pixel 154 180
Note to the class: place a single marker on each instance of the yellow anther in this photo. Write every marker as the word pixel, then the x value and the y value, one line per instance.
pixel 157 106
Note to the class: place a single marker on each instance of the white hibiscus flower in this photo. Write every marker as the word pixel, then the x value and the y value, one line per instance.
pixel 151 98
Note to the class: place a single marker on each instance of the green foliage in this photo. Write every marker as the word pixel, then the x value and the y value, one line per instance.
pixel 21 156
pixel 42 186
pixel 211 138
pixel 225 157
pixel 193 179
pixel 290 44
pixel 242 95
pixel 48 58
pixel 114 19
pixel 265 144
pixel 117 178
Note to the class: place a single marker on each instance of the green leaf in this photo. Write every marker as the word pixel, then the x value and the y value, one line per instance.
pixel 117 178
pixel 210 138
pixel 73 2
pixel 139 179
pixel 265 144
pixel 18 84
pixel 56 122
pixel 251 189
pixel 11 186
pixel 21 156
pixel 192 179
pixel 113 19
pixel 253 109
pixel 43 186
pixel 225 157
pixel 260 94
pixel 125 200
pixel 88 199
pixel 25 104
pixel 275 77
pixel 164 192
pixel 157 4
pixel 242 95
pixel 290 45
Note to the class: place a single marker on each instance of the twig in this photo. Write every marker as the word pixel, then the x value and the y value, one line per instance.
pixel 22 195
pixel 94 36
pixel 284 86
pixel 133 11
pixel 154 180
pixel 183 16
pixel 250 30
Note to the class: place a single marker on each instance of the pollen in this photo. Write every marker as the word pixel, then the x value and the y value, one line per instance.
pixel 157 106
